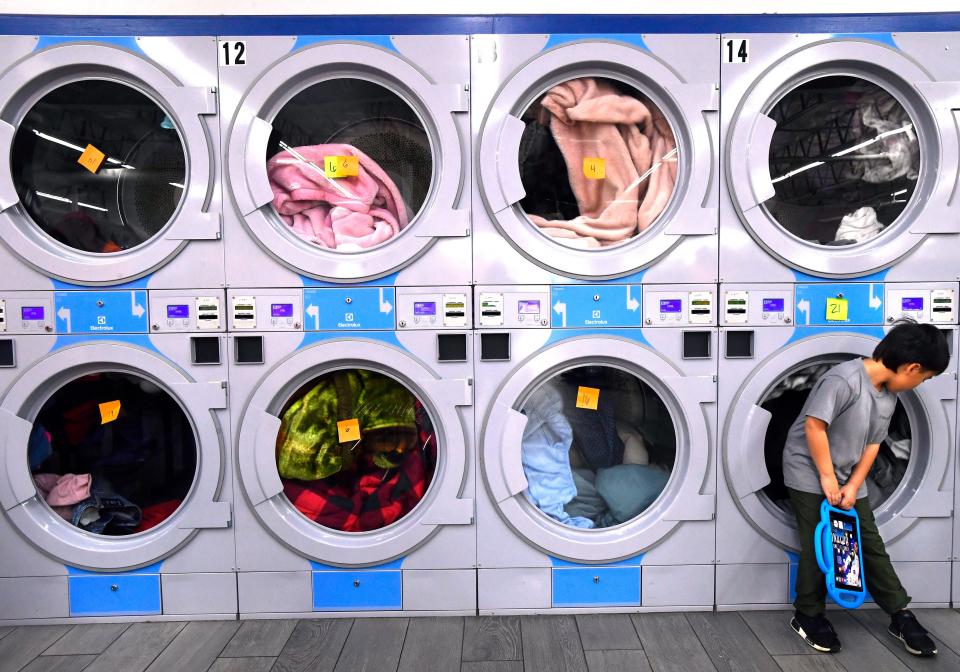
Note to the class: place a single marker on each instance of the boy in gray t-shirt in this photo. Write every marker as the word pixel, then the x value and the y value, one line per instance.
pixel 828 453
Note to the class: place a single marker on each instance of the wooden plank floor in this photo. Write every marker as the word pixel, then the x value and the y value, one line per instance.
pixel 712 642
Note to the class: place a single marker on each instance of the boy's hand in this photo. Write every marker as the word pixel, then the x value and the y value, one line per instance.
pixel 848 497
pixel 831 489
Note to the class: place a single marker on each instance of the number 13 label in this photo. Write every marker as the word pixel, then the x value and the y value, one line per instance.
pixel 233 52
pixel 736 51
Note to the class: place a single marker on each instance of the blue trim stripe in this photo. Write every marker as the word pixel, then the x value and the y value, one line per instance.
pixel 563 38
pixel 320 567
pixel 635 561
pixel 388 337
pixel 873 277
pixel 141 340
pixel 25 24
pixel 149 569
pixel 139 283
pixel 557 335
pixel 304 41
pixel 385 281
pixel 882 38
pixel 128 43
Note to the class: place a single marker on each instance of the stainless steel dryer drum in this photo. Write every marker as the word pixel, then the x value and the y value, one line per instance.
pixel 346 160
pixel 596 158
pixel 777 341
pixel 840 157
pixel 112 147
pixel 595 444
pixel 117 481
pixel 353 412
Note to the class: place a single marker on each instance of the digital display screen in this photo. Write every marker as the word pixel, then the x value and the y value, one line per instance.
pixel 31 312
pixel 424 308
pixel 773 305
pixel 281 310
pixel 912 303
pixel 531 307
pixel 671 305
pixel 847 573
pixel 178 311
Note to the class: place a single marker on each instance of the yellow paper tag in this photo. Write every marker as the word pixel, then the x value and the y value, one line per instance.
pixel 341 166
pixel 91 159
pixel 594 168
pixel 348 430
pixel 837 310
pixel 588 397
pixel 109 411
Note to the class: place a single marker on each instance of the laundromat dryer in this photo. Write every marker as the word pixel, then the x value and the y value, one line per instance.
pixel 353 412
pixel 346 159
pixel 596 419
pixel 597 158
pixel 116 484
pixel 841 157
pixel 778 340
pixel 111 175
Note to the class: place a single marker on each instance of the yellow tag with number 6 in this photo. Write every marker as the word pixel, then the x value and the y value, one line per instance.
pixel 837 310
pixel 348 430
pixel 341 166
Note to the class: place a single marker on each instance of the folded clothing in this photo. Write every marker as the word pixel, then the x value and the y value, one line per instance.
pixel 308 444
pixel 591 118
pixel 345 213
pixel 106 512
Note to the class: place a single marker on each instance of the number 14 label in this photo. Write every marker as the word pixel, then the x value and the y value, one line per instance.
pixel 736 51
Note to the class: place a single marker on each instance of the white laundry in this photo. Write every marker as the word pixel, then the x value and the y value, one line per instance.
pixel 634 447
pixel 859 225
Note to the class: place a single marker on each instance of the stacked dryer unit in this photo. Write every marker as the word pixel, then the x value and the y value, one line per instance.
pixel 112 289
pixel 840 166
pixel 317 307
pixel 569 219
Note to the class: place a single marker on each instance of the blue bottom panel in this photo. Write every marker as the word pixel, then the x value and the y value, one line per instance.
pixel 114 594
pixel 596 586
pixel 348 590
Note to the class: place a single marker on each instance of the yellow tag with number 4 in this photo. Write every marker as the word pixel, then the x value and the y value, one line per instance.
pixel 837 310
pixel 588 397
pixel 341 166
pixel 594 168
pixel 348 430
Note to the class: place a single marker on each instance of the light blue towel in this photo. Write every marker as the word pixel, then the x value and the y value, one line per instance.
pixel 545 456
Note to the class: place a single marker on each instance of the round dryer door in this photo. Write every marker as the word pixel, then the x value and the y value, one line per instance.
pixel 353 453
pixel 110 170
pixel 597 458
pixel 841 156
pixel 596 169
pixel 112 457
pixel 345 162
pixel 904 483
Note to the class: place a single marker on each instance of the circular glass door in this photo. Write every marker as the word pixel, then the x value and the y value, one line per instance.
pixel 598 162
pixel 350 164
pixel 356 450
pixel 598 447
pixel 112 453
pixel 98 166
pixel 844 161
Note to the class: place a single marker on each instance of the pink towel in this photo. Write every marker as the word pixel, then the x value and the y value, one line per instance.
pixel 65 490
pixel 343 213
pixel 590 118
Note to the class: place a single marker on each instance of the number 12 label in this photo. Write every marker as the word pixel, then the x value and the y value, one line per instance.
pixel 736 51
pixel 233 52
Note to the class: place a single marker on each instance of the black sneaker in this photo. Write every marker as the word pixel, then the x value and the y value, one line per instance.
pixel 905 627
pixel 816 631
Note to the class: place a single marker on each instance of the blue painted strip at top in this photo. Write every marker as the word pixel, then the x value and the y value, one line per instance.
pixel 557 39
pixel 883 38
pixel 635 561
pixel 557 335
pixel 149 569
pixel 378 40
pixel 141 340
pixel 26 24
pixel 388 337
pixel 320 567
pixel 129 43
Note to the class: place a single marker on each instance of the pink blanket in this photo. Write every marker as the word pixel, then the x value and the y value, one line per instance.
pixel 344 213
pixel 62 492
pixel 590 118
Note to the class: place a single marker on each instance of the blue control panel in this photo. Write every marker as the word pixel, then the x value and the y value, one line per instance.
pixel 839 304
pixel 101 312
pixel 354 309
pixel 579 306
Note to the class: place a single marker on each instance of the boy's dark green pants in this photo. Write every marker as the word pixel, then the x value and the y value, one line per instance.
pixel 882 581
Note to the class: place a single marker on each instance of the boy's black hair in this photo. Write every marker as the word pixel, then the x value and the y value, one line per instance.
pixel 912 343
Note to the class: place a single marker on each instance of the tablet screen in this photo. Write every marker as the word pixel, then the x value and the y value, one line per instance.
pixel 846 552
